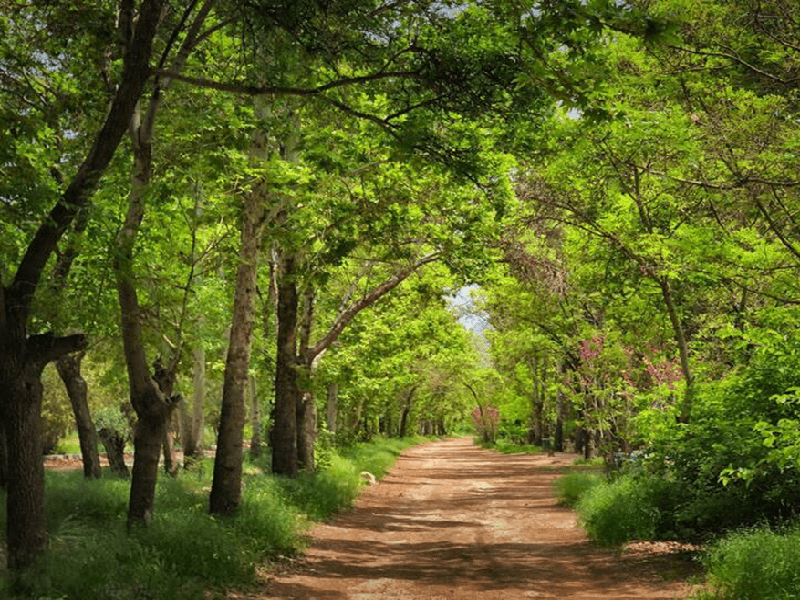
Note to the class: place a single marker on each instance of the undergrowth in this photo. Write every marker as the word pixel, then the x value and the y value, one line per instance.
pixel 754 565
pixel 185 553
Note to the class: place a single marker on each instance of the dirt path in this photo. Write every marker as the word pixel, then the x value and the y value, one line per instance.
pixel 454 521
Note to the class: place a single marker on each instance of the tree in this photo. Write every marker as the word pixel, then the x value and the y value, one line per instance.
pixel 23 354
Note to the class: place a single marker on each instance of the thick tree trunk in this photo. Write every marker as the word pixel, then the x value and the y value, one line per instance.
pixel 20 414
pixel 114 443
pixel 306 402
pixel 284 431
pixel 558 446
pixel 226 490
pixel 26 532
pixel 332 407
pixel 147 441
pixel 69 369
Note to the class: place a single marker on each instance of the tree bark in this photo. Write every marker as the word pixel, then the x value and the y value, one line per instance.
pixel 226 490
pixel 192 426
pixel 683 348
pixel 283 437
pixel 560 414
pixel 255 419
pixel 26 532
pixel 332 407
pixel 306 402
pixel 69 369
pixel 306 430
pixel 406 412
pixel 114 444
pixel 3 457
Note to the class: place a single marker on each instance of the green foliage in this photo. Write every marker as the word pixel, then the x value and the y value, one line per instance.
pixel 323 493
pixel 570 488
pixel 752 565
pixel 736 462
pixel 57 415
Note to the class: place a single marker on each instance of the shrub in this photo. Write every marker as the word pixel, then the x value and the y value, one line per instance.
pixel 626 509
pixel 755 565
pixel 570 488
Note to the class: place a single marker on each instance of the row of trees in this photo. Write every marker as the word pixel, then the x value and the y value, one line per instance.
pixel 303 160
pixel 653 250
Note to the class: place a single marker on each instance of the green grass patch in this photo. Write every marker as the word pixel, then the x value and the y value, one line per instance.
pixel 186 553
pixel 754 565
pixel 623 510
pixel 507 446
pixel 69 445
pixel 572 486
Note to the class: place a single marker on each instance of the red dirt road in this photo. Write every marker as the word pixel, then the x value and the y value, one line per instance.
pixel 453 521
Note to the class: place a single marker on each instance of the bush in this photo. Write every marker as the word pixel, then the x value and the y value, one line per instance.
pixel 737 462
pixel 627 509
pixel 571 487
pixel 755 565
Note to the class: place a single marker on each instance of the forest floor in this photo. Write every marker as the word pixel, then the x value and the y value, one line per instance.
pixel 454 521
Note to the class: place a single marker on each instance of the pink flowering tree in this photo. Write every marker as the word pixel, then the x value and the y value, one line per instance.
pixel 486 419
pixel 612 383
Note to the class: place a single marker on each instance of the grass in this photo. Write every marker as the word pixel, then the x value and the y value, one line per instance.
pixel 570 488
pixel 622 510
pixel 186 553
pixel 754 565
pixel 508 447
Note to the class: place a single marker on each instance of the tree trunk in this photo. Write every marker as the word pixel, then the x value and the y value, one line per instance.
pixel 114 443
pixel 20 364
pixel 3 457
pixel 559 433
pixel 26 532
pixel 192 428
pixel 683 349
pixel 306 402
pixel 255 419
pixel 168 445
pixel 406 412
pixel 20 413
pixel 226 489
pixel 306 430
pixel 332 407
pixel 69 369
pixel 147 440
pixel 283 437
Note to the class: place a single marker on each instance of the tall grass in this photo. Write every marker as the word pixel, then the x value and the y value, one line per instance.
pixel 625 509
pixel 185 553
pixel 755 565
pixel 570 488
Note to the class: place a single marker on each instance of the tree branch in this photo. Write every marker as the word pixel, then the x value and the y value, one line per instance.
pixel 348 314
pixel 277 90
pixel 135 73
pixel 46 347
